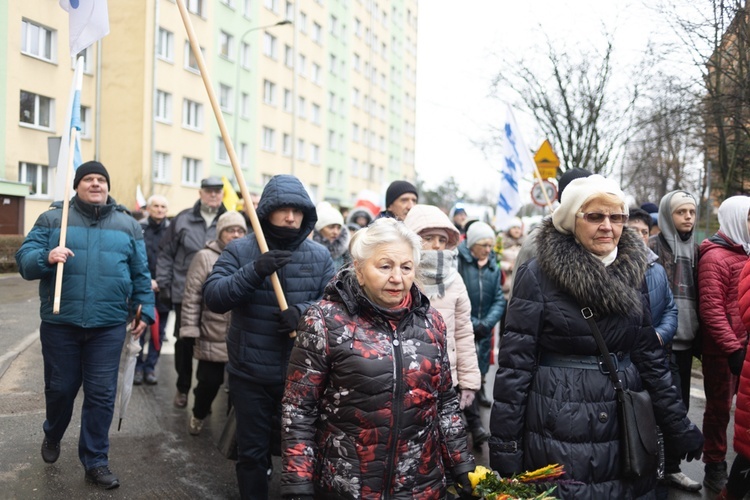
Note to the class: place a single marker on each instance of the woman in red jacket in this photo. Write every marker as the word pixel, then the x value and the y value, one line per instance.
pixel 723 256
pixel 739 485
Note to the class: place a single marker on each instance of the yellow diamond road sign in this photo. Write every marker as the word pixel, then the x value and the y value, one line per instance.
pixel 546 161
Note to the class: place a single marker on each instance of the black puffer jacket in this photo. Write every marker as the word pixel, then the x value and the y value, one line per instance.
pixel 257 352
pixel 549 414
pixel 369 412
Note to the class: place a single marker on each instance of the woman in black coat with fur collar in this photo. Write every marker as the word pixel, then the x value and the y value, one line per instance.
pixel 552 403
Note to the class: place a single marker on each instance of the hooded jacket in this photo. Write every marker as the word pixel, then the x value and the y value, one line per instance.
pixel 454 304
pixel 552 414
pixel 198 321
pixel 663 307
pixel 369 411
pixel 107 277
pixel 485 291
pixel 721 262
pixel 257 352
pixel 339 248
pixel 742 409
pixel 185 236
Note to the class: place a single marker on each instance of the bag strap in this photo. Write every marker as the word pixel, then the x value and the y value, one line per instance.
pixel 588 315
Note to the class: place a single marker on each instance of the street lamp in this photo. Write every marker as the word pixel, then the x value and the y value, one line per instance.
pixel 239 73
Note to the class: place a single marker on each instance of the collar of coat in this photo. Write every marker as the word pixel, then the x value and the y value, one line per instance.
pixel 615 289
pixel 344 288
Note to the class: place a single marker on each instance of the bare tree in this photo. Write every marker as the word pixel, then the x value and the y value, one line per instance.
pixel 664 152
pixel 715 34
pixel 575 103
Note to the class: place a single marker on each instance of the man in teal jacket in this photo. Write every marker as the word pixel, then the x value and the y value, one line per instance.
pixel 105 277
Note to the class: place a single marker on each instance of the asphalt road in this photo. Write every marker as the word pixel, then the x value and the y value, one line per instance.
pixel 153 454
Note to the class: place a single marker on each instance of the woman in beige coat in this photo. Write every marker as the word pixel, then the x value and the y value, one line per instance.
pixel 440 281
pixel 208 328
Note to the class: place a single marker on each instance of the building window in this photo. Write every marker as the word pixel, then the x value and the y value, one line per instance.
pixel 355 132
pixel 317 33
pixel 268 143
pixel 38 41
pixel 196 7
pixel 269 92
pixel 331 102
pixel 271 5
pixel 162 166
pixel 330 176
pixel 303 22
pixel 228 3
pixel 332 67
pixel 191 63
pixel 37 176
pixel 315 75
pixel 225 98
pixel 37 110
pixel 269 45
pixel 300 149
pixel 191 171
pixel 225 44
pixel 85 122
pixel 302 65
pixel 334 25
pixel 288 56
pixel 355 97
pixel 355 168
pixel 163 110
pixel 286 145
pixel 356 62
pixel 287 100
pixel 246 8
pixel 165 45
pixel 192 115
pixel 245 55
pixel 314 154
pixel 331 140
pixel 301 108
pixel 315 114
pixel 245 105
pixel 244 154
pixel 222 156
pixel 290 11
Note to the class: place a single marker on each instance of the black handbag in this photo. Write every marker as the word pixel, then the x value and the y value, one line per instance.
pixel 639 439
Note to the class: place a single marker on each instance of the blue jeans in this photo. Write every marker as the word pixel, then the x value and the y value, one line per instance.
pixel 258 412
pixel 75 356
pixel 147 363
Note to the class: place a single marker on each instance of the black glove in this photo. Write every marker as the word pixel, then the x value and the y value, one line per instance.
pixel 688 445
pixel 463 486
pixel 165 296
pixel 481 331
pixel 288 320
pixel 269 262
pixel 735 361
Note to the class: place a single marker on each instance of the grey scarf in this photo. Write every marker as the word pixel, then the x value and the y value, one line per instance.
pixel 437 269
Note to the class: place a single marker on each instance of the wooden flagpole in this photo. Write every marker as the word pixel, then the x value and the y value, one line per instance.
pixel 248 206
pixel 64 220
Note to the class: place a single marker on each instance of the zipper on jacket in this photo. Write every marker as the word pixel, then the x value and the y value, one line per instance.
pixel 397 410
pixel 481 293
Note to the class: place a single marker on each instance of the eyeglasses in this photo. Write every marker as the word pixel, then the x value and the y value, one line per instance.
pixel 598 218
pixel 235 230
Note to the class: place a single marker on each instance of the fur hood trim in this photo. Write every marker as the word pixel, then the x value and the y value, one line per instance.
pixel 615 289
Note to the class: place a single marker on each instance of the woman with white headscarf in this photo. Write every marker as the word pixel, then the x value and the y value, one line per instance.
pixel 724 335
pixel 552 401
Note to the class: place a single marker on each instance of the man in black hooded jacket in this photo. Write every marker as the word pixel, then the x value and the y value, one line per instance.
pixel 258 340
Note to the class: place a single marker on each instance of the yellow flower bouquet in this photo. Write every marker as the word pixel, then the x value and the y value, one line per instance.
pixel 487 484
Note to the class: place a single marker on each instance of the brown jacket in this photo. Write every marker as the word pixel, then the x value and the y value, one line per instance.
pixel 208 328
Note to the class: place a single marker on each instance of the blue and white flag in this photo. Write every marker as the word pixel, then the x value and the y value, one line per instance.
pixel 72 121
pixel 517 162
pixel 89 22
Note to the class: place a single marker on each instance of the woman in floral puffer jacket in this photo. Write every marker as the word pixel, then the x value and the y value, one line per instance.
pixel 369 409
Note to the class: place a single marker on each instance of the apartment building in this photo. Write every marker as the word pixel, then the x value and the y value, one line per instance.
pixel 321 89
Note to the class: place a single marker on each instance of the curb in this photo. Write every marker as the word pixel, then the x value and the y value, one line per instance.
pixel 7 359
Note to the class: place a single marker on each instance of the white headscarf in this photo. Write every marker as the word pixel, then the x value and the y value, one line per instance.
pixel 733 213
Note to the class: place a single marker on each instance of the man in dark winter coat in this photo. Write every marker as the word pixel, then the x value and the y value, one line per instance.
pixel 258 341
pixel 154 228
pixel 105 277
pixel 399 198
pixel 189 232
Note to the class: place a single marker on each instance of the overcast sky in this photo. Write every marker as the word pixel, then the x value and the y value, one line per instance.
pixel 459 46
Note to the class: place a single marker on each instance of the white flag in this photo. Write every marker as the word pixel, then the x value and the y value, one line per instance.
pixel 517 162
pixel 72 120
pixel 89 22
pixel 140 200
